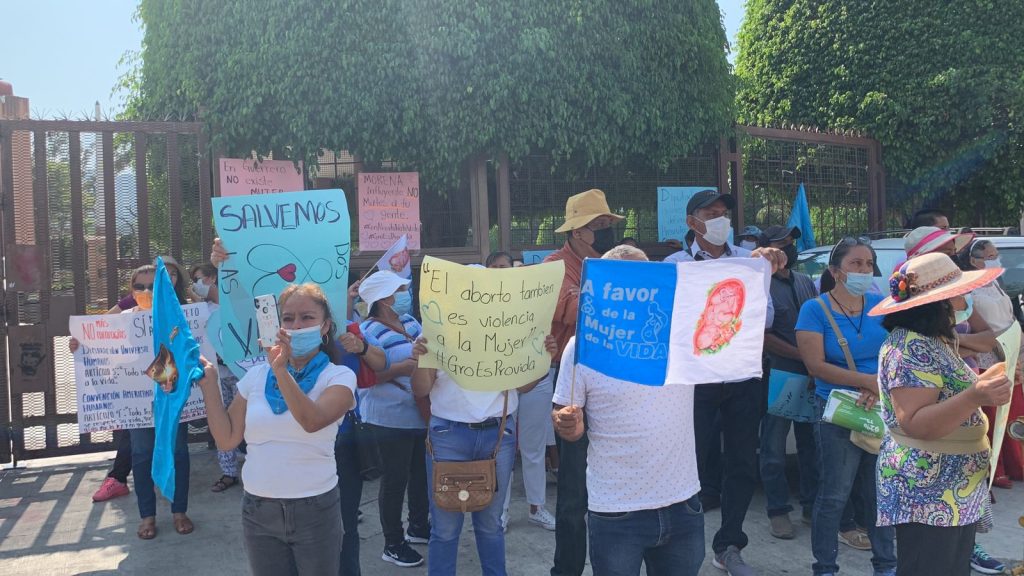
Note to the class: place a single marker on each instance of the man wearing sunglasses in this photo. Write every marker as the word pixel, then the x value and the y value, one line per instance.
pixel 737 405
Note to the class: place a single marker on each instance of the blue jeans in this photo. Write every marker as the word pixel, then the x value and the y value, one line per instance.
pixel 841 465
pixel 669 540
pixel 774 431
pixel 142 468
pixel 457 442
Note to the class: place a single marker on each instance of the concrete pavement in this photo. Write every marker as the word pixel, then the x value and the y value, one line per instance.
pixel 49 526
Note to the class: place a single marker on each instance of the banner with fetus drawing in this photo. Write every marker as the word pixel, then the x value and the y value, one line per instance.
pixel 485 327
pixel 274 240
pixel 658 323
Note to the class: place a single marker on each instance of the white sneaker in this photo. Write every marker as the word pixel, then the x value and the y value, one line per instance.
pixel 543 518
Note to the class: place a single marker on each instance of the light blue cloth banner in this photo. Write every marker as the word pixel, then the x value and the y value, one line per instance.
pixel 274 240
pixel 535 256
pixel 625 313
pixel 801 218
pixel 174 370
pixel 672 202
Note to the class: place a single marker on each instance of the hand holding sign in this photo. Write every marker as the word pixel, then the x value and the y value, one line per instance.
pixel 568 422
pixel 487 327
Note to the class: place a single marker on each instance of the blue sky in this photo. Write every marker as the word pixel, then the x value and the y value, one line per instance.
pixel 63 54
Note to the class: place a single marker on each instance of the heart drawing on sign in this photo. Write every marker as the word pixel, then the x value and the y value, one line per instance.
pixel 538 343
pixel 431 312
pixel 287 272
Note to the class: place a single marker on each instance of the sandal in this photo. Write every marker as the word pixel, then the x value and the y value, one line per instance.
pixel 224 483
pixel 147 528
pixel 183 525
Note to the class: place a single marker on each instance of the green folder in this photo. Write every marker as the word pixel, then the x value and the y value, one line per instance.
pixel 841 409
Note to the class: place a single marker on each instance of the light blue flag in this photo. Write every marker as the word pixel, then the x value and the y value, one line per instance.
pixel 174 370
pixel 801 218
pixel 274 240
pixel 624 320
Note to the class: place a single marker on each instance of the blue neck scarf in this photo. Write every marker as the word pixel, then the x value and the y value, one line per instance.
pixel 306 378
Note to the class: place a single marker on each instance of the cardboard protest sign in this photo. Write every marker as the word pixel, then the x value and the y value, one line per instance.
pixel 389 208
pixel 486 327
pixel 274 240
pixel 672 202
pixel 535 256
pixel 659 323
pixel 114 351
pixel 1010 341
pixel 246 176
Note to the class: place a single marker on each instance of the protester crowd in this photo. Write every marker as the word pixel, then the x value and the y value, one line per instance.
pixel 340 400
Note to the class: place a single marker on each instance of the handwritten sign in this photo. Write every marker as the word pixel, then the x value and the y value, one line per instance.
pixel 657 323
pixel 389 208
pixel 1010 341
pixel 672 202
pixel 275 240
pixel 486 327
pixel 535 256
pixel 245 177
pixel 114 351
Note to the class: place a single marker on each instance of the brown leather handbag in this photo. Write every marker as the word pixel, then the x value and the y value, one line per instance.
pixel 467 486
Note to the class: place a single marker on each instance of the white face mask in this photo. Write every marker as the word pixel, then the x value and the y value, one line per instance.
pixel 717 230
pixel 201 288
pixel 748 244
pixel 997 263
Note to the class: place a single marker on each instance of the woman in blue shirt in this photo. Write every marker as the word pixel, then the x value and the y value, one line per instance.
pixel 841 464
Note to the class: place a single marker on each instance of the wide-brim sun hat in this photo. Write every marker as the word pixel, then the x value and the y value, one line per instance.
pixel 584 207
pixel 930 238
pixel 930 278
pixel 380 285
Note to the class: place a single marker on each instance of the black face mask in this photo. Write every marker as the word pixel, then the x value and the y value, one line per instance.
pixel 791 255
pixel 604 240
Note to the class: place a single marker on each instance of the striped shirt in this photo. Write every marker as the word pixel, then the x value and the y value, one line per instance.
pixel 391 404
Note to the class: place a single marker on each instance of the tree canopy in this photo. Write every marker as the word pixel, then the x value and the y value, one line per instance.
pixel 432 82
pixel 939 84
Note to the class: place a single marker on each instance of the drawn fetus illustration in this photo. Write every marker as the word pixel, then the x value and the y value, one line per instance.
pixel 721 319
pixel 656 320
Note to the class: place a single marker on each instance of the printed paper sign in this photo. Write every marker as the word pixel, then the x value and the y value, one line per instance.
pixel 245 177
pixel 660 323
pixel 275 240
pixel 1010 341
pixel 114 351
pixel 389 208
pixel 485 326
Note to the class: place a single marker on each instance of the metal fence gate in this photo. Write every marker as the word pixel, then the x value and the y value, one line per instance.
pixel 83 204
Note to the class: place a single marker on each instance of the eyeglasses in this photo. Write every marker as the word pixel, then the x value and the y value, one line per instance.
pixel 849 241
pixel 142 287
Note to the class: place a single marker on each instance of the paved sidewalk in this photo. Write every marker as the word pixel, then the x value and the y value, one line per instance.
pixel 49 526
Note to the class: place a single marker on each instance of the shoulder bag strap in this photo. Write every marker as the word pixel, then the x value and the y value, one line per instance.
pixel 501 428
pixel 839 335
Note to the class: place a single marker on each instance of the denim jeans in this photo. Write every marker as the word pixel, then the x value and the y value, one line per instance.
pixel 350 483
pixel 841 466
pixel 402 453
pixel 300 536
pixel 457 442
pixel 571 508
pixel 739 406
pixel 669 540
pixel 774 431
pixel 142 440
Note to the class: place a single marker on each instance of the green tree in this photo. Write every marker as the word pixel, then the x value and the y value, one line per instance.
pixel 432 82
pixel 939 84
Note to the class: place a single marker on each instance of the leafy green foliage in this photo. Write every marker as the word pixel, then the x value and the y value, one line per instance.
pixel 433 82
pixel 939 84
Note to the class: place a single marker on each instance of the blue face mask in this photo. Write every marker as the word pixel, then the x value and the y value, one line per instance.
pixel 961 316
pixel 403 303
pixel 858 284
pixel 305 341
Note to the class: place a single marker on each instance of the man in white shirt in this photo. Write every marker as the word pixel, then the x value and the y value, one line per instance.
pixel 737 405
pixel 641 466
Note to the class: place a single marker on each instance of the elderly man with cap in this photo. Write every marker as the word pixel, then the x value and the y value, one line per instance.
pixel 737 403
pixel 789 290
pixel 589 234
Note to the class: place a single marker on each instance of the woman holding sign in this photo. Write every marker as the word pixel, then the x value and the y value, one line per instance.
pixel 288 411
pixel 839 344
pixel 933 464
pixel 398 426
pixel 465 426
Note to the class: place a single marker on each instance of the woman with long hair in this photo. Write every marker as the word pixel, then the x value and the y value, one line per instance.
pixel 288 411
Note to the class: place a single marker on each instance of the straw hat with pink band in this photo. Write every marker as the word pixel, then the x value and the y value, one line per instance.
pixel 930 278
pixel 928 239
